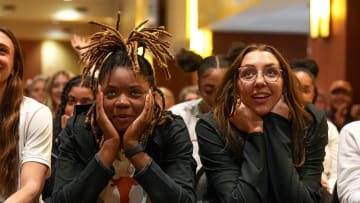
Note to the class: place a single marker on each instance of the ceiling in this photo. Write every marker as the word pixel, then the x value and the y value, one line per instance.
pixel 34 19
pixel 285 16
pixel 38 19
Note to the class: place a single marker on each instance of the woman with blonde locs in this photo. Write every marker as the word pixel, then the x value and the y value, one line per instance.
pixel 124 147
pixel 261 144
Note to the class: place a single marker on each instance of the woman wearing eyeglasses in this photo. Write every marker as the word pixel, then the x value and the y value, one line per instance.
pixel 260 144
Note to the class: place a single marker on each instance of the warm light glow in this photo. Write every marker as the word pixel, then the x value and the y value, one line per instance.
pixel 319 18
pixel 67 15
pixel 200 39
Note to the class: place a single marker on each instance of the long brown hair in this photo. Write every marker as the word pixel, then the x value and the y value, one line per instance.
pixel 226 102
pixel 9 119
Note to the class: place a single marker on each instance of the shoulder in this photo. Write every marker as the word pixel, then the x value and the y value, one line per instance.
pixel 173 122
pixel 174 128
pixel 34 112
pixel 209 119
pixel 318 114
pixel 30 105
pixel 351 128
pixel 185 107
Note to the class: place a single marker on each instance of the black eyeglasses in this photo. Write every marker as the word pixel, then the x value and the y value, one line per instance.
pixel 249 74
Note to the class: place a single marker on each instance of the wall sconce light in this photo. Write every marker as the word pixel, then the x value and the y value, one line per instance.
pixel 200 40
pixel 319 18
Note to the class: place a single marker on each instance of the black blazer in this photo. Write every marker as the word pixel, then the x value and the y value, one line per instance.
pixel 265 173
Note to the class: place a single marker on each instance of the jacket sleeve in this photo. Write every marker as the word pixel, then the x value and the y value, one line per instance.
pixel 78 179
pixel 230 180
pixel 292 184
pixel 348 182
pixel 174 180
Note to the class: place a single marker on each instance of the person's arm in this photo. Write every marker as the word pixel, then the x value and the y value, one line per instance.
pixel 348 182
pixel 80 175
pixel 292 184
pixel 230 180
pixel 32 179
pixel 333 146
pixel 36 154
pixel 174 180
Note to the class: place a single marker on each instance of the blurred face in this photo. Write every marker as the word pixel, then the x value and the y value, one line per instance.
pixel 208 84
pixel 191 96
pixel 307 87
pixel 339 100
pixel 38 91
pixel 262 93
pixel 6 58
pixel 78 96
pixel 124 96
pixel 57 88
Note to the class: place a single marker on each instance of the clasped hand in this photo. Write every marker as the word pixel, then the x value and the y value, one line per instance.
pixel 136 129
pixel 246 119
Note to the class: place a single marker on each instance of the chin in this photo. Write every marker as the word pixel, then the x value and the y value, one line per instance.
pixel 262 111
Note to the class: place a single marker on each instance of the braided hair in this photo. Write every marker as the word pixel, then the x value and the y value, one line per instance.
pixel 108 49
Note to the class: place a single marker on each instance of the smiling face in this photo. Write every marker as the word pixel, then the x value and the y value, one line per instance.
pixel 259 95
pixel 124 96
pixel 6 58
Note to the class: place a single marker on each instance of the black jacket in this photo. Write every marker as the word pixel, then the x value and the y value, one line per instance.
pixel 266 172
pixel 81 176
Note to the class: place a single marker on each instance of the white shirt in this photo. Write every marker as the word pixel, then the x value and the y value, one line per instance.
pixel 348 182
pixel 189 111
pixel 35 134
pixel 331 153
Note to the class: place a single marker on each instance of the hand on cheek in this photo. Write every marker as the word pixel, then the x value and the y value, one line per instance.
pixel 137 128
pixel 246 119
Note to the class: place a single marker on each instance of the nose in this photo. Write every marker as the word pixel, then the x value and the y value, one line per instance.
pixel 122 101
pixel 260 80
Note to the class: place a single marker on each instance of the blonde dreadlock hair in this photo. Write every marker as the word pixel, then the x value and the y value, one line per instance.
pixel 108 49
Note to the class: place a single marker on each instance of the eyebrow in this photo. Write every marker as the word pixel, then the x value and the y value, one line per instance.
pixel 4 46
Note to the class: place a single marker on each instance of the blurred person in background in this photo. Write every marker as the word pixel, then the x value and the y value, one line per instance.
pixel 37 89
pixel 54 88
pixel 169 97
pixel 76 92
pixel 210 72
pixel 189 93
pixel 340 103
pixel 309 93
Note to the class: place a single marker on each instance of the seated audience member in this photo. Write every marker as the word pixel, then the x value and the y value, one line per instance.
pixel 348 180
pixel 254 146
pixel 169 97
pixel 124 147
pixel 308 92
pixel 37 89
pixel 25 130
pixel 210 72
pixel 340 103
pixel 76 92
pixel 189 93
pixel 54 88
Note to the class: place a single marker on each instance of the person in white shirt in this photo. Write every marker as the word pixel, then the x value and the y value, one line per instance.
pixel 25 130
pixel 210 72
pixel 348 182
